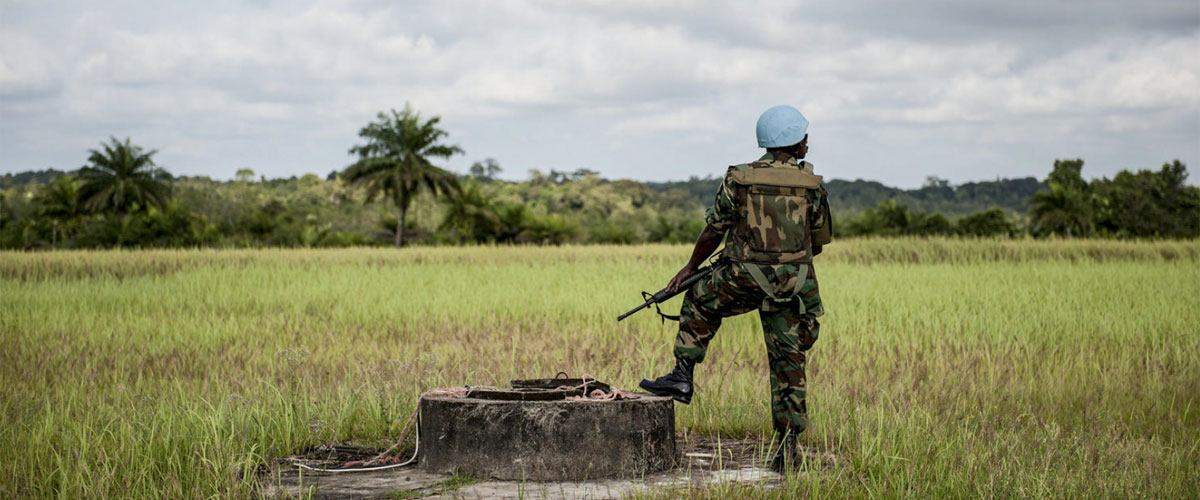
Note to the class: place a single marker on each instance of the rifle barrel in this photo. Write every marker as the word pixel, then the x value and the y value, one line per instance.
pixel 663 295
pixel 636 309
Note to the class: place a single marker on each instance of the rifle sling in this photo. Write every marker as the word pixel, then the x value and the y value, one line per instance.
pixel 649 298
pixel 761 280
pixel 675 317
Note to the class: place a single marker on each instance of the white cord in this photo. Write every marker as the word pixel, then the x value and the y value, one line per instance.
pixel 364 469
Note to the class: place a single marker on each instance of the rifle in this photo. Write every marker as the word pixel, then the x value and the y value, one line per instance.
pixel 663 295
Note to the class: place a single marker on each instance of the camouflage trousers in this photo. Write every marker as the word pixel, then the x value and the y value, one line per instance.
pixel 790 326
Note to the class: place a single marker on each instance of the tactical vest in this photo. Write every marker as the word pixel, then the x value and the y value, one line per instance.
pixel 774 206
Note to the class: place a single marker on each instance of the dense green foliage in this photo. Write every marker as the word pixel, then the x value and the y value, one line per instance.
pixel 1142 204
pixel 946 368
pixel 1145 204
pixel 937 195
pixel 393 193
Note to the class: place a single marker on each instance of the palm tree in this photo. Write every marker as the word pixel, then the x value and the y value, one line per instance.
pixel 395 161
pixel 59 201
pixel 471 215
pixel 123 178
pixel 1061 211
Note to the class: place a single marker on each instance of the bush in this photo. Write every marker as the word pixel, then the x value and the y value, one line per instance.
pixel 613 233
pixel 678 229
pixel 993 222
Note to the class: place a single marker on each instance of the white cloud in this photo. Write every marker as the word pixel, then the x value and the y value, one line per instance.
pixel 26 69
pixel 691 120
pixel 896 91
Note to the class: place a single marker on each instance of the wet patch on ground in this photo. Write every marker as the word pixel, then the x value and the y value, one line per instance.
pixel 702 462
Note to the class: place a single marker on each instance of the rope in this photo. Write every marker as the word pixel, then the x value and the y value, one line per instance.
pixel 459 392
pixel 365 469
pixel 596 394
pixel 600 395
pixel 587 380
pixel 454 392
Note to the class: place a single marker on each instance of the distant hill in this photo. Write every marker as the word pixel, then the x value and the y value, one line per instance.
pixel 936 195
pixel 857 195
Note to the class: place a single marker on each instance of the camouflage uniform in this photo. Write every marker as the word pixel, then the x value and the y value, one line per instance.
pixel 773 219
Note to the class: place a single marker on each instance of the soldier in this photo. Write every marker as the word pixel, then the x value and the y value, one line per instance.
pixel 774 217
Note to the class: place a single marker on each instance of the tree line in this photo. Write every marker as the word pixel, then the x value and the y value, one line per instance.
pixel 1141 204
pixel 393 193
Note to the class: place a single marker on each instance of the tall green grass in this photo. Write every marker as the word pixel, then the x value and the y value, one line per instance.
pixel 945 368
pixel 120 264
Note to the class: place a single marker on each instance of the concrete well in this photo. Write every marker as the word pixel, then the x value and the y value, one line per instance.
pixel 547 440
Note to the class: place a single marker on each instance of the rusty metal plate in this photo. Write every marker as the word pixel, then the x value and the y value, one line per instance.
pixel 503 395
pixel 555 383
pixel 543 389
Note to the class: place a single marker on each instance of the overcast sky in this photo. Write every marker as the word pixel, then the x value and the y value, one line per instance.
pixel 895 90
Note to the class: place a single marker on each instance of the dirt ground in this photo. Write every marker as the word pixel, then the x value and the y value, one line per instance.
pixel 703 461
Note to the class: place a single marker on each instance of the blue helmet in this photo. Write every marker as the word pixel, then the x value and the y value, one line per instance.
pixel 781 126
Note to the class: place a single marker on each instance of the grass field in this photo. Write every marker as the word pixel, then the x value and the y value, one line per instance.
pixel 945 368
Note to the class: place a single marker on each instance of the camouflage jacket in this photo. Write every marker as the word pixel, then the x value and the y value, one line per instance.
pixel 774 213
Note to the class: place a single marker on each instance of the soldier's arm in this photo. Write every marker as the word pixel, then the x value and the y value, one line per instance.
pixel 706 244
pixel 718 218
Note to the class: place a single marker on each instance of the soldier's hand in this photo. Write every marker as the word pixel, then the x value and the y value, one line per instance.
pixel 679 277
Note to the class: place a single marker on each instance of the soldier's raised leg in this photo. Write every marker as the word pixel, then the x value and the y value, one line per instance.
pixel 725 293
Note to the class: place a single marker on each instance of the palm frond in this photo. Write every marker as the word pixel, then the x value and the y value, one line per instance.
pixel 121 176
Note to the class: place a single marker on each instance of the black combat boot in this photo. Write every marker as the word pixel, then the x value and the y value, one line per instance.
pixel 785 458
pixel 677 384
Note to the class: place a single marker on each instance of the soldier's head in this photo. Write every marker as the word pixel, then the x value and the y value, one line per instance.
pixel 798 150
pixel 783 128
